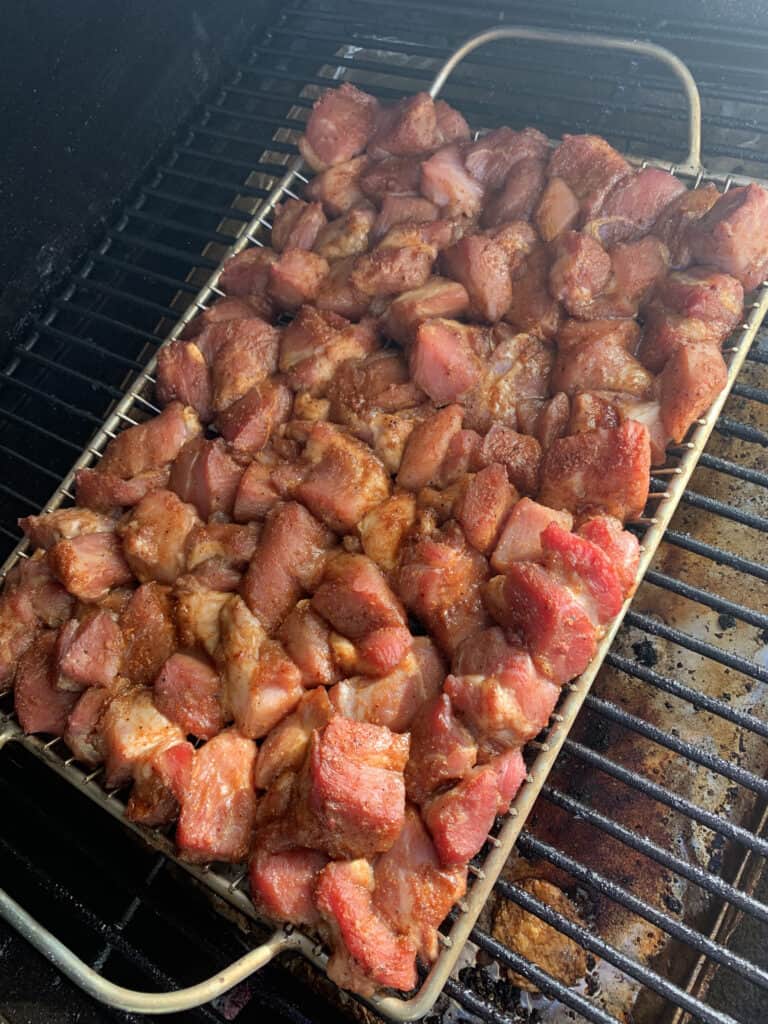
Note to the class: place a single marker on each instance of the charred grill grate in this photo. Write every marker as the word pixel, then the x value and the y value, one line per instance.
pixel 114 314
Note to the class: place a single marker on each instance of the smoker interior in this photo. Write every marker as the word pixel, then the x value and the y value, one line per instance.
pixel 652 820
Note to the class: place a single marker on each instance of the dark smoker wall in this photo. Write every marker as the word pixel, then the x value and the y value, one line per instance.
pixel 88 92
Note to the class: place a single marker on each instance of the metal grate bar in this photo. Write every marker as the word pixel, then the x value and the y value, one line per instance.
pixel 751 392
pixel 191 259
pixel 145 272
pixel 227 186
pixel 713 601
pixel 92 314
pixel 718 555
pixel 29 389
pixel 230 212
pixel 51 364
pixel 90 346
pixel 38 468
pixel 743 431
pixel 175 225
pixel 35 427
pixel 18 496
pixel 753 476
pixel 247 165
pixel 719 508
pixel 84 283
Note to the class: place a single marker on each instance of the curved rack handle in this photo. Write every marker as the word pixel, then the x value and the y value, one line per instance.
pixel 64 960
pixel 692 164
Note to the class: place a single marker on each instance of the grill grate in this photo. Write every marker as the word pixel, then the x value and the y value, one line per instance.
pixel 110 320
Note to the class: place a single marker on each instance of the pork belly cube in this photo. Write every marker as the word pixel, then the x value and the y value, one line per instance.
pixel 557 210
pixel 229 307
pixel 229 542
pixel 283 884
pixel 391 432
pixel 247 273
pixel 732 235
pixel 149 633
pixel 481 265
pixel 384 528
pixel 636 202
pixel 89 652
pixel 82 733
pixel 664 333
pixel 31 598
pixel 338 187
pixel 397 209
pixel 552 420
pixel 351 795
pixel 90 565
pixel 691 380
pixel 159 784
pixel 520 539
pixel 451 125
pixel 520 193
pixel 346 236
pixel 590 167
pixel 483 506
pixel 248 423
pixel 18 628
pixel 106 492
pixel 396 698
pixel 507 709
pixel 243 360
pixel 206 477
pixel 198 608
pixel 183 375
pixel 581 270
pixel 45 530
pixel 306 638
pixel 532 308
pixel 295 224
pixel 154 537
pixel 491 158
pixel 464 455
pixel 343 479
pixel 413 891
pixel 261 683
pixel 677 220
pixel 152 444
pixel 554 626
pixel 518 453
pixel 367 952
pixel 391 270
pixel 285 747
pixel 317 342
pixel 636 268
pixel 439 297
pixel 295 278
pixel 187 692
pixel 132 727
pixel 218 808
pixel 602 363
pixel 289 560
pixel 621 547
pixel 362 388
pixel 442 749
pixel 338 295
pixel 40 706
pixel 256 493
pixel 587 571
pixel 394 176
pixel 439 580
pixel 405 128
pixel 339 127
pixel 510 774
pixel 444 361
pixel 605 470
pixel 446 183
pixel 355 598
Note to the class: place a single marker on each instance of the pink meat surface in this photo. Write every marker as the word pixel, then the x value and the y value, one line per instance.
pixel 187 691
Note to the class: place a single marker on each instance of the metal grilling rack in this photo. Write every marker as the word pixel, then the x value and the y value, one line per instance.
pixel 672 487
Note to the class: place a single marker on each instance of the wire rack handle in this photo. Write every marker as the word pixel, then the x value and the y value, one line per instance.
pixel 692 163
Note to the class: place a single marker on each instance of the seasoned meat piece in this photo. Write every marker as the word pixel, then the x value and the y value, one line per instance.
pixel 602 361
pixel 580 271
pixel 45 530
pixel 490 159
pixel 338 187
pixel 518 239
pixel 39 705
pixel 197 614
pixel 338 295
pixel 396 698
pixel 413 891
pixel 339 127
pixel 442 749
pixel 154 537
pixel 346 236
pixel 363 387
pixel 600 471
pixel 183 376
pixel 634 204
pixel 482 266
pixel 246 355
pixel 89 651
pixel 82 734
pixel 517 371
pixel 732 235
pixel 439 297
pixel 383 529
pixel 520 539
pixel 226 542
pixel 520 194
pixel 306 638
pixel 621 547
pixel 552 420
pixel 464 455
pixel 367 951
pixel 357 601
pixel 247 273
pixel 403 210
pixel 427 446
pixel 316 343
pixel 257 493
pixel 590 167
pixel 677 219
pixel 229 307
pixel 557 210
pixel 519 454
pixel 587 571
pixel 483 505
pixel 148 632
pixel 451 126
pixel 132 728
pixel 406 128
pixel 446 183
pixel 636 267
pixel 89 565
pixel 150 445
pixel 160 781
pixel 391 432
pixel 390 270
pixel 187 691
pixel 283 884
pixel 248 423
pixel 288 560
pixel 295 278
pixel 295 224
pixel 392 177
pixel 532 308
pixel 284 749
pixel 444 359
pixel 206 476
pixel 692 378
pixel 219 806
pixel 30 594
